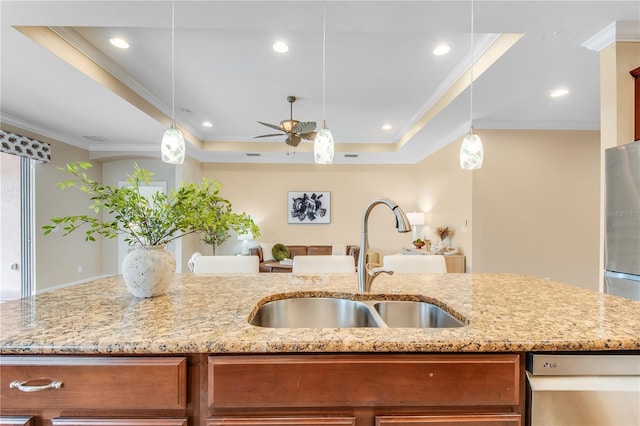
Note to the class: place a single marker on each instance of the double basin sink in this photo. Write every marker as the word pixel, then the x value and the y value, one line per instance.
pixel 329 312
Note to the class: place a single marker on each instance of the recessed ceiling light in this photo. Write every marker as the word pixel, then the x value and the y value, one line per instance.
pixel 119 42
pixel 207 124
pixel 386 127
pixel 280 47
pixel 441 49
pixel 556 93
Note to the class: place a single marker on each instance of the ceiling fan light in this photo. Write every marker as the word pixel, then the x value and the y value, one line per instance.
pixel 172 147
pixel 323 146
pixel 288 125
pixel 471 152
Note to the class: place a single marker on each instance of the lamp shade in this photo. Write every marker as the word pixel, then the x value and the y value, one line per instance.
pixel 172 147
pixel 471 152
pixel 416 218
pixel 323 147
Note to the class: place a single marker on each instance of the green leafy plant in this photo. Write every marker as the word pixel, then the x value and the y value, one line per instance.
pixel 142 220
pixel 224 220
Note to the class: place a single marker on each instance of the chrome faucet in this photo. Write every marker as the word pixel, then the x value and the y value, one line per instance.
pixel 366 277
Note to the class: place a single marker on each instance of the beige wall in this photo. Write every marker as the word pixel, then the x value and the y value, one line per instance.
pixel 262 191
pixel 536 205
pixel 189 172
pixel 444 193
pixel 60 258
pixel 537 216
pixel 617 92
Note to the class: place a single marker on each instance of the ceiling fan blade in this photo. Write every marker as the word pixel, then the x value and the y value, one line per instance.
pixel 273 126
pixel 305 127
pixel 268 136
pixel 308 136
pixel 293 140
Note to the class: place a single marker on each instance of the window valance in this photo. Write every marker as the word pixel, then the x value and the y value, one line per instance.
pixel 25 147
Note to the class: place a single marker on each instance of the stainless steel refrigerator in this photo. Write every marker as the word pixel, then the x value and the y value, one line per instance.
pixel 622 221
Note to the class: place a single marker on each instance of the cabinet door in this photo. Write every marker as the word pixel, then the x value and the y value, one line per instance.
pixel 451 420
pixel 455 263
pixel 93 383
pixel 285 421
pixel 16 420
pixel 363 380
pixel 80 421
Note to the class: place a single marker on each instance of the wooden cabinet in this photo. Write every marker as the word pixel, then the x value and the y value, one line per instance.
pixel 451 420
pixel 95 389
pixel 456 263
pixel 282 421
pixel 252 390
pixel 389 389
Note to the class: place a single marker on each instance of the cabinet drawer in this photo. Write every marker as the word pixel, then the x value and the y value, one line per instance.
pixel 94 382
pixel 363 380
pixel 451 420
pixel 284 421
pixel 80 421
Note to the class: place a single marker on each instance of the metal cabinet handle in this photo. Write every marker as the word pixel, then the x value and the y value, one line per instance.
pixel 26 388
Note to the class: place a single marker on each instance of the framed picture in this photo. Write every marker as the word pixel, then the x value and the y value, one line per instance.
pixel 308 207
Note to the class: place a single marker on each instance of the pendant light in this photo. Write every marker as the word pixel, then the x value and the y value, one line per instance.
pixel 323 147
pixel 471 151
pixel 172 147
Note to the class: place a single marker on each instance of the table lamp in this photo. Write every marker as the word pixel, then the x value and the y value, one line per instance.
pixel 415 218
pixel 245 242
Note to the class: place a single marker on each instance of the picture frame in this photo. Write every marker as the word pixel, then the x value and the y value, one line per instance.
pixel 309 207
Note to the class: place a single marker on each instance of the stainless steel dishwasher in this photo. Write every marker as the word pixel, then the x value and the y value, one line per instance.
pixel 585 389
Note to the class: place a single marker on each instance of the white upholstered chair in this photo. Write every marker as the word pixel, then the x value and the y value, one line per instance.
pixel 323 263
pixel 405 264
pixel 226 265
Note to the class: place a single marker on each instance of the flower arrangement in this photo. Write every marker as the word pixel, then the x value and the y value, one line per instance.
pixel 444 232
pixel 147 221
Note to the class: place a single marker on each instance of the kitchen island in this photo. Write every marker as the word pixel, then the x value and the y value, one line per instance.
pixel 199 337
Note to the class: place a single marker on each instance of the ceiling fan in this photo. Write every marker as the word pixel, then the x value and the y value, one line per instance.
pixel 294 129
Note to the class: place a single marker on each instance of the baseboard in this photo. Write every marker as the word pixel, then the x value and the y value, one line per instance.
pixel 71 284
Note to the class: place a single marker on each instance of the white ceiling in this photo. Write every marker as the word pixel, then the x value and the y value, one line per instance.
pixel 379 69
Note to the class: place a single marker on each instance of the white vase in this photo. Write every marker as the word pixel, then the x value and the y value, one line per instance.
pixel 148 271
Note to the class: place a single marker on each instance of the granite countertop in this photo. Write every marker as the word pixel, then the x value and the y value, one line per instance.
pixel 208 314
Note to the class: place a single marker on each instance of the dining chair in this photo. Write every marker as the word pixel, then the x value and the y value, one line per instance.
pixel 226 265
pixel 421 264
pixel 323 263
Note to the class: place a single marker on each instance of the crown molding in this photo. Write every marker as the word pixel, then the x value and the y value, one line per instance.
pixel 618 31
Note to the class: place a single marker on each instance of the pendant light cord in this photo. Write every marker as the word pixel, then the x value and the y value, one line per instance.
pixel 471 72
pixel 324 59
pixel 173 66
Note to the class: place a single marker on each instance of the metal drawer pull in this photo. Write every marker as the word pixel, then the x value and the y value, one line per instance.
pixel 25 388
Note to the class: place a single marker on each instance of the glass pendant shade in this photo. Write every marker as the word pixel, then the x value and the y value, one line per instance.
pixel 172 147
pixel 323 148
pixel 471 152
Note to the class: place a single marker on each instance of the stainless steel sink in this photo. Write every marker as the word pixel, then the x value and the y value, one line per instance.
pixel 328 312
pixel 314 312
pixel 410 314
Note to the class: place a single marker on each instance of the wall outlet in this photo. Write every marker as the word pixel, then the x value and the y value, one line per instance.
pixel 79 269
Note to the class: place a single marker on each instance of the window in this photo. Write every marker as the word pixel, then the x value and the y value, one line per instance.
pixel 16 224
